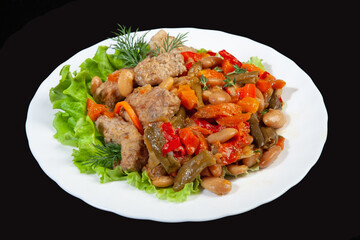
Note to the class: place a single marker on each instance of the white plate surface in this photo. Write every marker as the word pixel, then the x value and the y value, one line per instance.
pixel 305 133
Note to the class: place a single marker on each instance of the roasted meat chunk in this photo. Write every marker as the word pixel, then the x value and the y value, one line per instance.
pixel 133 150
pixel 154 70
pixel 107 93
pixel 156 104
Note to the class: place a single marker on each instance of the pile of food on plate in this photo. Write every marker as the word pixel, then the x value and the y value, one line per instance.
pixel 176 114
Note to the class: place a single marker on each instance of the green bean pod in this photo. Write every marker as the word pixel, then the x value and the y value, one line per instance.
pixel 274 102
pixel 196 86
pixel 195 68
pixel 244 78
pixel 192 168
pixel 180 116
pixel 154 136
pixel 255 131
pixel 270 137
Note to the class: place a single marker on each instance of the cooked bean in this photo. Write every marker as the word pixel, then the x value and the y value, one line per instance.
pixel 215 82
pixel 269 156
pixel 95 83
pixel 206 94
pixel 210 62
pixel 250 161
pixel 235 169
pixel 163 181
pixel 222 136
pixel 274 118
pixel 125 82
pixel 260 97
pixel 216 185
pixel 167 83
pixel 216 170
pixel 219 96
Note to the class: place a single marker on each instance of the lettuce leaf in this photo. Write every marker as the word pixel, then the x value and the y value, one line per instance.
pixel 74 128
pixel 257 62
pixel 142 182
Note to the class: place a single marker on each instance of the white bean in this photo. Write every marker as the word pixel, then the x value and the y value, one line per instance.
pixel 222 136
pixel 269 156
pixel 274 118
pixel 235 169
pixel 163 181
pixel 95 83
pixel 218 97
pixel 216 185
pixel 167 84
pixel 125 82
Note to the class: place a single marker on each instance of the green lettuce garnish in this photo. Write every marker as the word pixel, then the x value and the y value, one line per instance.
pixel 257 62
pixel 74 128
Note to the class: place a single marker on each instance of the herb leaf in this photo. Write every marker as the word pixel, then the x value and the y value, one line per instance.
pixel 132 49
pixel 237 70
pixel 105 156
pixel 218 69
pixel 203 80
pixel 229 82
pixel 170 43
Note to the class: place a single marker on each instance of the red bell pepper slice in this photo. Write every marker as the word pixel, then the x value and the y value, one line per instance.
pixel 248 90
pixel 189 139
pixel 204 124
pixel 173 143
pixel 233 60
pixel 195 56
pixel 231 150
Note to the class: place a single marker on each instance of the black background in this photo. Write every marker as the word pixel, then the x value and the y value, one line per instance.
pixel 37 36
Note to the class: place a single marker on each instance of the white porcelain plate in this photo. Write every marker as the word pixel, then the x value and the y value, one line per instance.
pixel 305 133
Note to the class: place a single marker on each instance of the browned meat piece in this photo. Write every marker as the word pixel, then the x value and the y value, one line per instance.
pixel 157 104
pixel 106 93
pixel 154 70
pixel 157 41
pixel 133 150
pixel 155 172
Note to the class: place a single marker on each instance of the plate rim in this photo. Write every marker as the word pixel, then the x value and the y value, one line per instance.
pixel 162 219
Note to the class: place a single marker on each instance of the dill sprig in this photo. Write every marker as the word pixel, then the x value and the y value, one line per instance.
pixel 105 155
pixel 170 43
pixel 132 48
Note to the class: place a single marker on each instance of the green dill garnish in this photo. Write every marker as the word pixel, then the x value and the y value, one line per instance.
pixel 105 155
pixel 203 80
pixel 132 49
pixel 229 82
pixel 168 44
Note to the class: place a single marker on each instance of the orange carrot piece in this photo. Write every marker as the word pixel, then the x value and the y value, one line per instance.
pixel 210 73
pixel 249 104
pixel 281 142
pixel 131 113
pixel 187 96
pixel 278 84
pixel 94 110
